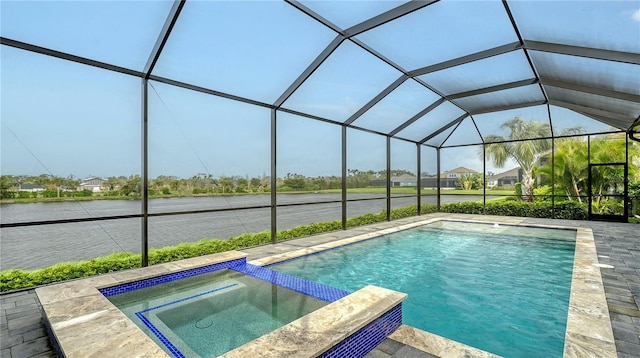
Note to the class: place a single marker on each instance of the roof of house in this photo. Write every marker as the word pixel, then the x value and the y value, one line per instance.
pixel 509 173
pixel 31 186
pixel 458 170
pixel 404 178
pixel 92 178
pixel 461 170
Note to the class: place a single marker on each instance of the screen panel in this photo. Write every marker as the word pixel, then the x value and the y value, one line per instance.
pixel 236 47
pixel 349 13
pixel 35 247
pixel 121 33
pixel 309 157
pixel 293 216
pixel 566 121
pixel 357 209
pixel 404 178
pixel 599 24
pixel 497 123
pixel 172 230
pixel 343 84
pixel 440 32
pixel 599 74
pixel 205 145
pixel 499 99
pixel 366 164
pixel 69 132
pixel 431 122
pixel 462 168
pixel 509 67
pixel 398 107
pixel 465 133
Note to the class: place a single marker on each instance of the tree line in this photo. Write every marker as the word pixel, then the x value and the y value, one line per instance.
pixel 199 184
pixel 567 170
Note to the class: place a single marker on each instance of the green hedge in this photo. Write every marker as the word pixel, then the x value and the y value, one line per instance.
pixel 542 209
pixel 18 279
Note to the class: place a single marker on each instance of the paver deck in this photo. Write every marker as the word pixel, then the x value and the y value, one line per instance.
pixel 22 333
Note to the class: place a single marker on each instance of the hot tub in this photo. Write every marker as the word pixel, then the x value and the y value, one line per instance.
pixel 204 292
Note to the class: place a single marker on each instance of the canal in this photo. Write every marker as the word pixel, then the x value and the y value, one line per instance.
pixel 30 247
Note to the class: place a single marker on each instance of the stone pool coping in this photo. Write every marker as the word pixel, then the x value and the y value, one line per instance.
pixel 588 334
pixel 316 333
pixel 83 322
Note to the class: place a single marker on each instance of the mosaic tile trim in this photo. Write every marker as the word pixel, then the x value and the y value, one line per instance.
pixel 368 337
pixel 132 286
pixel 325 250
pixel 187 298
pixel 313 289
pixel 167 343
pixel 175 351
pixel 309 288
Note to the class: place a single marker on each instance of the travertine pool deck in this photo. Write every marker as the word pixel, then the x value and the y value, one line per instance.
pixel 617 245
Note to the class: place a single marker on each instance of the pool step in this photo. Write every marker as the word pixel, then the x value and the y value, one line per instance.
pixel 355 323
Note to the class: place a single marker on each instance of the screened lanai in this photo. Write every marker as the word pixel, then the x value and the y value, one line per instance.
pixel 140 133
pixel 154 99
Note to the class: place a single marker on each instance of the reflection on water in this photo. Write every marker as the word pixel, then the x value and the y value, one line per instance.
pixel 12 213
pixel 30 247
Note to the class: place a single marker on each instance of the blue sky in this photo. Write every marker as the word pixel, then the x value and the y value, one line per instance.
pixel 65 119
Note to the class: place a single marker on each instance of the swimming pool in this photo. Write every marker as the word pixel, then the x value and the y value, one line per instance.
pixel 82 321
pixel 210 314
pixel 503 289
pixel 235 309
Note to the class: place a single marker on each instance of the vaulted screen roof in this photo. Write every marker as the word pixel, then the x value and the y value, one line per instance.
pixel 431 72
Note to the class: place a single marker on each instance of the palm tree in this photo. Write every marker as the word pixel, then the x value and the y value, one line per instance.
pixel 570 167
pixel 520 146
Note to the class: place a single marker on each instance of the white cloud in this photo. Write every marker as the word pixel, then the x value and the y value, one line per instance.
pixel 636 15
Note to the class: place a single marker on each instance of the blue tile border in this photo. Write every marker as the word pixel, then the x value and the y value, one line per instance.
pixel 132 286
pixel 300 285
pixel 368 337
pixel 187 298
pixel 329 249
pixel 167 343
pixel 358 344
pixel 161 337
pixel 294 283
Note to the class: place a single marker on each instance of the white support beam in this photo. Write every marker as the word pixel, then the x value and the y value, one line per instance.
pixel 600 54
pixel 465 59
pixel 490 89
pixel 590 89
pixel 387 16
pixel 508 107
pixel 615 119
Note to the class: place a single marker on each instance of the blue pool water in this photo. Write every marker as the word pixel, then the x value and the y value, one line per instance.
pixel 212 313
pixel 501 289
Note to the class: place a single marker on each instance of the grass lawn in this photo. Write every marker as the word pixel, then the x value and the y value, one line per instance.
pixel 412 190
pixel 405 190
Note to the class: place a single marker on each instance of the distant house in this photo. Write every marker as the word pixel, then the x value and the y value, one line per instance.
pixel 404 180
pixel 401 180
pixel 448 179
pixel 94 184
pixel 455 173
pixel 505 179
pixel 30 187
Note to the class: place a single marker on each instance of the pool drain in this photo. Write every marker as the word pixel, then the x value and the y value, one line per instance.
pixel 204 323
